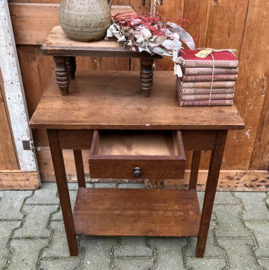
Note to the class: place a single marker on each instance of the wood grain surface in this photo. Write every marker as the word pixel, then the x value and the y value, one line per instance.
pixel 106 100
pixel 252 21
pixel 136 212
pixel 19 180
pixel 8 158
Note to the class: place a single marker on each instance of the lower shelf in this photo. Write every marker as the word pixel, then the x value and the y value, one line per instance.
pixel 137 212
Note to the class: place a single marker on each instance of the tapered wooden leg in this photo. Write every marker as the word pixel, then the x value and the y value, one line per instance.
pixel 71 66
pixel 62 74
pixel 59 170
pixel 146 76
pixel 194 169
pixel 79 168
pixel 211 186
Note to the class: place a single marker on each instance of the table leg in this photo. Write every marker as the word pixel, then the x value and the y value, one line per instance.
pixel 60 174
pixel 211 186
pixel 71 66
pixel 79 168
pixel 194 169
pixel 146 76
pixel 62 74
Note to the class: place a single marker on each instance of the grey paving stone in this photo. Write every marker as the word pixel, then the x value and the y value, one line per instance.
pixel 133 264
pixel 89 185
pixel 60 264
pixel 226 197
pixel 11 203
pixel 200 196
pixel 133 246
pixel 36 221
pixel 212 248
pixel 131 185
pixel 26 252
pixel 261 231
pixel 72 186
pixel 207 264
pixel 240 254
pixel 58 215
pixel 6 228
pixel 264 263
pixel 230 224
pixel 58 246
pixel 97 252
pixel 45 195
pixel 105 185
pixel 3 263
pixel 255 205
pixel 169 252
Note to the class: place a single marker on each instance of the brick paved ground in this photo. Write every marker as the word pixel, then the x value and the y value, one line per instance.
pixel 32 236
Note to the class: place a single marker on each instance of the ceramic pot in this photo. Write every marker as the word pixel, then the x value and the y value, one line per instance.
pixel 85 20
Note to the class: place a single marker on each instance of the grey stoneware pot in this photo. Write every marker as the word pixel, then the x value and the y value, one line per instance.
pixel 85 20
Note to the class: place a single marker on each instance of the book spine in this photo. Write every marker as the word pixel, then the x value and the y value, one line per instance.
pixel 206 97
pixel 214 102
pixel 206 78
pixel 217 64
pixel 208 71
pixel 226 84
pixel 205 91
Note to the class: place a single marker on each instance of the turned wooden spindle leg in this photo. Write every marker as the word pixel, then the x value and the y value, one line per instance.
pixel 72 66
pixel 62 74
pixel 146 76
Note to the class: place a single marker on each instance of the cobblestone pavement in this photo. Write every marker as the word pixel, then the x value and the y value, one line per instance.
pixel 32 236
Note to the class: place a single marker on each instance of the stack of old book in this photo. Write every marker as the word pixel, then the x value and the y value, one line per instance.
pixel 197 87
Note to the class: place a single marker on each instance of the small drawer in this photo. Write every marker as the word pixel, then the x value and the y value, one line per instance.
pixel 137 154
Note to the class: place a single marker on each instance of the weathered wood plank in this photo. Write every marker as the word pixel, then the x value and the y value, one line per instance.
pixel 260 154
pixel 33 22
pixel 226 24
pixel 251 85
pixel 197 14
pixel 18 180
pixel 8 159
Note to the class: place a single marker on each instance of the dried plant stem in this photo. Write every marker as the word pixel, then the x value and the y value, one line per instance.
pixel 153 8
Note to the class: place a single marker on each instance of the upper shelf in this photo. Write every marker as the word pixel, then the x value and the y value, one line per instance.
pixel 57 43
pixel 112 100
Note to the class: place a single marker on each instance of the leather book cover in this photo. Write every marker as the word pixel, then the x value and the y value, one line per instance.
pixel 219 84
pixel 205 97
pixel 224 59
pixel 208 71
pixel 206 78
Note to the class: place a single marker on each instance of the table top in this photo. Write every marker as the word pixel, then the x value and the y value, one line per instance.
pixel 57 43
pixel 113 100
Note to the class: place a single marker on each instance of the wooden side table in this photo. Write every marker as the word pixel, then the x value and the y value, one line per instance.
pixel 65 50
pixel 102 104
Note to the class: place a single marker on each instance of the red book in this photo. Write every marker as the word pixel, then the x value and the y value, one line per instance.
pixel 204 91
pixel 205 71
pixel 205 97
pixel 198 103
pixel 208 78
pixel 222 84
pixel 223 59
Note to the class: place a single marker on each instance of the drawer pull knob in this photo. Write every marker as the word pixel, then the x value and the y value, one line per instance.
pixel 137 172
